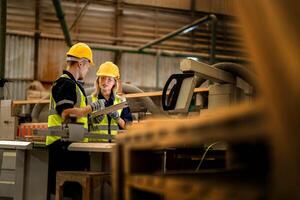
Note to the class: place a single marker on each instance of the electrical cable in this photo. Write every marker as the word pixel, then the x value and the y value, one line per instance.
pixel 203 156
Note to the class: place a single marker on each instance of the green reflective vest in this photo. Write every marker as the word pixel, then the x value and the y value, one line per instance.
pixel 102 127
pixel 55 120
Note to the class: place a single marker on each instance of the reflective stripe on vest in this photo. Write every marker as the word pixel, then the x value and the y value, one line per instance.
pixel 55 120
pixel 102 127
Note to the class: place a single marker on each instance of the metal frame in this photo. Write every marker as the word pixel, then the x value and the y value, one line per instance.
pixel 185 29
pixel 79 14
pixel 61 16
pixel 209 18
pixel 207 72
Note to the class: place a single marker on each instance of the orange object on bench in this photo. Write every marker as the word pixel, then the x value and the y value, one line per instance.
pixel 25 129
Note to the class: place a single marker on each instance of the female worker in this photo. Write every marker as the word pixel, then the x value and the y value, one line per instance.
pixel 105 94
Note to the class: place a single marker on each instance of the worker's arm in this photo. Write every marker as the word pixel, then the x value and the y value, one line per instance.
pixel 116 116
pixel 64 94
pixel 77 112
pixel 126 116
pixel 121 123
pixel 80 112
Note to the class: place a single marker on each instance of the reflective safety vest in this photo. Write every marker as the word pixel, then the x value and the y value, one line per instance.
pixel 55 120
pixel 103 126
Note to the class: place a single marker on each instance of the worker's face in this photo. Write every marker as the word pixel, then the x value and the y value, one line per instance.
pixel 106 83
pixel 84 68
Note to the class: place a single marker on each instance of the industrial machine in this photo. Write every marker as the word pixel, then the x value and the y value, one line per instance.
pixel 228 83
pixel 74 132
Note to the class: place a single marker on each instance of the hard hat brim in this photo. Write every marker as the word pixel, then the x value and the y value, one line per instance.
pixel 110 75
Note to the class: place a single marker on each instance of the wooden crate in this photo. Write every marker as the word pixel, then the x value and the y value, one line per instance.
pixel 190 187
pixel 138 168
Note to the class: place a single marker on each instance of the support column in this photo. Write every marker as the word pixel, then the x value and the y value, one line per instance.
pixel 3 6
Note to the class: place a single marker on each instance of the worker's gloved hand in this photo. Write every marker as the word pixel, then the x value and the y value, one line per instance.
pixel 73 112
pixel 98 119
pixel 98 105
pixel 115 115
pixel 101 103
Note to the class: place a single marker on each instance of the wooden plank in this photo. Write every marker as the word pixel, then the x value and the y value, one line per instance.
pixel 117 172
pixel 35 101
pixel 91 147
pixel 110 109
pixel 128 96
pixel 194 188
pixel 237 123
pixel 158 93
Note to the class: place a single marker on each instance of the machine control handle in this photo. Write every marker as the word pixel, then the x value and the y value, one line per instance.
pixel 169 100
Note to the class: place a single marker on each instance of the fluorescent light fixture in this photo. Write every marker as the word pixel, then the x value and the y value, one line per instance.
pixel 193 58
pixel 189 29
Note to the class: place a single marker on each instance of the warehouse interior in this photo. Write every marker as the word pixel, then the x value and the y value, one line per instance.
pixel 205 100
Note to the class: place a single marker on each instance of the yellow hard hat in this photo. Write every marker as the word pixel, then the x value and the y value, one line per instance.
pixel 81 50
pixel 108 69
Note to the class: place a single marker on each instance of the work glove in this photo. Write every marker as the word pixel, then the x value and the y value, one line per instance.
pixel 97 119
pixel 98 105
pixel 114 115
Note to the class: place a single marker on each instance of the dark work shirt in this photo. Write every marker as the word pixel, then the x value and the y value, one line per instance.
pixel 65 89
pixel 125 114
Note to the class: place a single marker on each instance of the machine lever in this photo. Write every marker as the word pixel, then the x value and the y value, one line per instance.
pixel 169 99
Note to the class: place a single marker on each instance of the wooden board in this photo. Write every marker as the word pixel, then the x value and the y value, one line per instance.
pixel 191 188
pixel 91 147
pixel 237 123
pixel 128 96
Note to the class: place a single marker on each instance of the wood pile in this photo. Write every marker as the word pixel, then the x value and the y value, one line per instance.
pixel 36 90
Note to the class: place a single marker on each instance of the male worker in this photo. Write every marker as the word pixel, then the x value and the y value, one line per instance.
pixel 66 92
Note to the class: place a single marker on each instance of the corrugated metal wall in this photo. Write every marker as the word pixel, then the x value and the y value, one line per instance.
pixel 141 21
pixel 214 6
pixel 141 26
pixel 99 58
pixel 19 61
pixel 19 65
pixel 177 4
pixel 20 15
pixel 95 25
pixel 166 67
pixel 148 71
pixel 139 69
pixel 15 89
pixel 52 54
pixel 217 6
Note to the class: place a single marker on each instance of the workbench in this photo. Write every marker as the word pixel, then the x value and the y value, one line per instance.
pixel 31 169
